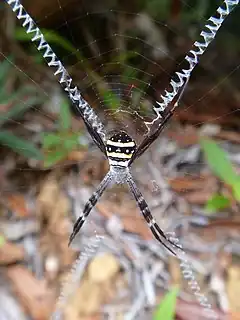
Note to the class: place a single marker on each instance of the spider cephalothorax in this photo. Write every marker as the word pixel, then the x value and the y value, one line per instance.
pixel 120 148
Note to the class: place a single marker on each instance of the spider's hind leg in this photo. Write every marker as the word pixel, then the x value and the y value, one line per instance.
pixel 89 206
pixel 156 230
pixel 154 227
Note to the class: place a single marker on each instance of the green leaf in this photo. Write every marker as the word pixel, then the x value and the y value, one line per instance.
pixel 71 141
pixel 52 38
pixel 20 146
pixel 216 203
pixel 19 108
pixel 60 140
pixel 51 140
pixel 49 35
pixel 218 161
pixel 53 157
pixel 57 146
pixel 8 98
pixel 65 115
pixel 158 9
pixel 5 67
pixel 129 75
pixel 166 308
pixel 123 57
pixel 236 189
pixel 2 240
pixel 111 99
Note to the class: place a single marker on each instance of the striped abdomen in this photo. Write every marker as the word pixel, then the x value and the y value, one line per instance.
pixel 120 148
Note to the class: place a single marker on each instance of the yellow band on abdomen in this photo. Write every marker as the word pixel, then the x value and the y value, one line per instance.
pixel 119 155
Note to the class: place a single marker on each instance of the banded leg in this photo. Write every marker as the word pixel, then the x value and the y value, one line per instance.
pixel 153 135
pixel 79 105
pixel 207 35
pixel 156 230
pixel 89 206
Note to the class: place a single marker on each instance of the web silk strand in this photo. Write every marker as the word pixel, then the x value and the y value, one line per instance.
pixel 199 47
pixel 75 275
pixel 52 60
pixel 207 310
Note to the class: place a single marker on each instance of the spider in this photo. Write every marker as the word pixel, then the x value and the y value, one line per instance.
pixel 120 149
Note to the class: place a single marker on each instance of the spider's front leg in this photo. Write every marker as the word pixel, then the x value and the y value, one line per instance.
pixel 89 206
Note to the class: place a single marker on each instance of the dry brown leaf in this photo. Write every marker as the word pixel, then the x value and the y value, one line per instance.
pixel 197 197
pixel 182 184
pixel 233 288
pixel 61 208
pixel 186 310
pixel 230 225
pixel 53 203
pixel 102 268
pixel 195 118
pixel 94 169
pixel 76 155
pixel 86 300
pixel 10 253
pixel 137 226
pixel 184 139
pixel 229 135
pixel 36 298
pixel 194 311
pixel 97 287
pixel 17 204
pixel 133 222
pixel 48 194
pixel 175 272
pixel 235 316
pixel 53 209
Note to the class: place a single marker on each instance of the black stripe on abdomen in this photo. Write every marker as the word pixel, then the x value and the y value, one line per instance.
pixel 118 159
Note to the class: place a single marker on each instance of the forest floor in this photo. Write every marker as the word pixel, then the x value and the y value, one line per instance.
pixel 121 269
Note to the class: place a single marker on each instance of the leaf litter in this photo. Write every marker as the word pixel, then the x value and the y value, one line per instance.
pixel 128 275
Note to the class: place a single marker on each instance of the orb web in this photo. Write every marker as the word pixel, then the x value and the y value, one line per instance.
pixel 123 66
pixel 122 61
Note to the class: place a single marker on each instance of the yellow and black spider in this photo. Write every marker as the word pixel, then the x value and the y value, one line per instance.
pixel 121 150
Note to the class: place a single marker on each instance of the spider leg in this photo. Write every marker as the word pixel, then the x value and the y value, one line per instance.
pixel 89 206
pixel 156 230
pixel 79 105
pixel 170 99
pixel 95 136
pixel 153 135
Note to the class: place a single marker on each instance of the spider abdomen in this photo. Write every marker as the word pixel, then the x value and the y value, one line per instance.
pixel 120 148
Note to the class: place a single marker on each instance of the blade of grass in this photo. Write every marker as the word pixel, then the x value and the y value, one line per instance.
pixel 64 116
pixel 19 109
pixel 218 161
pixel 166 308
pixel 54 157
pixel 50 140
pixel 2 240
pixel 20 146
pixel 111 99
pixel 54 38
pixel 216 203
pixel 236 190
pixel 5 66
